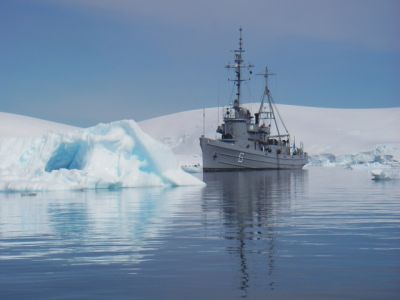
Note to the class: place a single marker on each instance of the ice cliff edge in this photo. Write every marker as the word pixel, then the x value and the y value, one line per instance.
pixel 113 155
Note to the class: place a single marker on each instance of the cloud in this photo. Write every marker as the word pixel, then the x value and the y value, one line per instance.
pixel 362 23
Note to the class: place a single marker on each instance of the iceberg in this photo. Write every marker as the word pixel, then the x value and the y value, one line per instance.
pixel 383 156
pixel 113 155
pixel 322 160
pixel 192 168
pixel 385 174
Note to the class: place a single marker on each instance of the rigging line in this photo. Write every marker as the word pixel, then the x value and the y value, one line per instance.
pixel 250 95
pixel 279 115
pixel 204 121
pixel 227 89
pixel 249 89
pixel 218 96
pixel 261 109
pixel 271 107
pixel 277 110
pixel 232 91
pixel 261 104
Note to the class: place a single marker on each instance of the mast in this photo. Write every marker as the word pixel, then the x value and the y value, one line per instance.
pixel 237 66
pixel 266 89
pixel 238 62
pixel 272 106
pixel 269 97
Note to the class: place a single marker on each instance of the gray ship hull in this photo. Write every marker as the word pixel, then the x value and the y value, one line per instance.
pixel 222 156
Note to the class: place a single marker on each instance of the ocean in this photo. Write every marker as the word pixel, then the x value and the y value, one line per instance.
pixel 317 233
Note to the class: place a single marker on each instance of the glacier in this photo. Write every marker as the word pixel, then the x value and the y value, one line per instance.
pixel 106 156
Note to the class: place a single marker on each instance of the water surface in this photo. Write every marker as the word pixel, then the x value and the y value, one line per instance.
pixel 308 234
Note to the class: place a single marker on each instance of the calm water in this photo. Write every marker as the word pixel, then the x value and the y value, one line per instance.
pixel 311 234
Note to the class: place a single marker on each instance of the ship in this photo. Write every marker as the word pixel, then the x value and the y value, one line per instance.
pixel 251 141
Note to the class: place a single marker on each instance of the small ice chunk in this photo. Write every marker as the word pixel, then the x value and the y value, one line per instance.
pixel 384 174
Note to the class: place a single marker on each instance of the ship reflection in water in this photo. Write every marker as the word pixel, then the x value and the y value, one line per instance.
pixel 252 206
pixel 288 234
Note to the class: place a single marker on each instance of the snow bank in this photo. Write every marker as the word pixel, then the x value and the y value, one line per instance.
pixel 112 155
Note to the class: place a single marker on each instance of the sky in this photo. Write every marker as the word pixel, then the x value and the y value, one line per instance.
pixel 82 62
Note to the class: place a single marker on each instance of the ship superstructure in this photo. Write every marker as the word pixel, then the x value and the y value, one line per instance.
pixel 259 141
